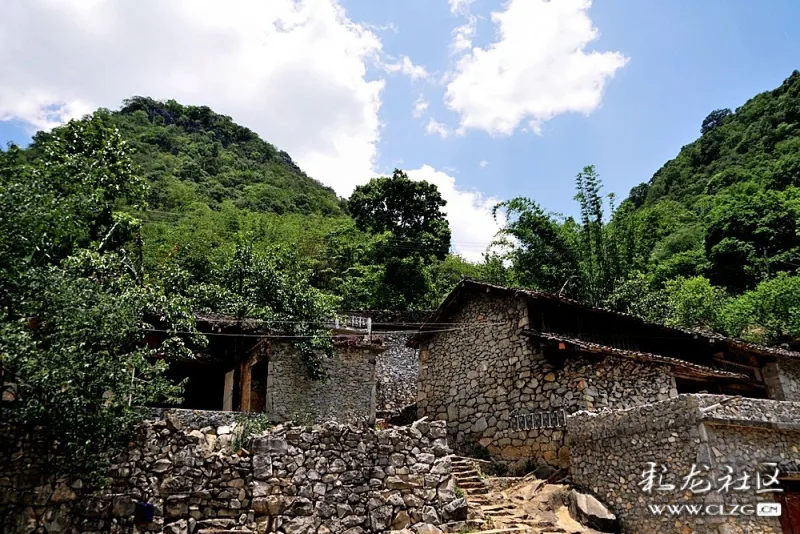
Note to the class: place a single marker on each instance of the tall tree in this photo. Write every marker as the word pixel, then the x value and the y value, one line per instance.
pixel 410 233
pixel 410 210
pixel 559 254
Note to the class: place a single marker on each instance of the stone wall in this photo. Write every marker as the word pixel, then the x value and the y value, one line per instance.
pixel 348 394
pixel 611 451
pixel 397 372
pixel 327 479
pixel 476 376
pixel 783 380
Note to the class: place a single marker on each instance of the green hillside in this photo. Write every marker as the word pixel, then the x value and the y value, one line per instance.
pixel 191 154
pixel 711 241
pixel 727 205
pixel 758 143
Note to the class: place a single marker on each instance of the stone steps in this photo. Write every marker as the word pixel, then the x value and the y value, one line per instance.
pixel 497 507
pixel 510 529
pixel 506 515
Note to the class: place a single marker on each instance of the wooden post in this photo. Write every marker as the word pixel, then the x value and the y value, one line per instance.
pixel 245 374
pixel 227 393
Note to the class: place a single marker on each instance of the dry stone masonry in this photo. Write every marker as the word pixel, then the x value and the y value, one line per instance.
pixel 327 479
pixel 783 380
pixel 397 372
pixel 611 451
pixel 479 376
pixel 348 394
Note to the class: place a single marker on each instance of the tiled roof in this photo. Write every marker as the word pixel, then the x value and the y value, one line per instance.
pixel 692 368
pixel 710 336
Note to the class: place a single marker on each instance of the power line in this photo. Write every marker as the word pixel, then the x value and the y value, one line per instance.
pixel 288 336
pixel 329 323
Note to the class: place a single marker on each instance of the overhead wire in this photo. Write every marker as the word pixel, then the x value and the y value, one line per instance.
pixel 290 336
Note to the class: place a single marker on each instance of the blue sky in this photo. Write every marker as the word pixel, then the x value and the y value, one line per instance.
pixel 335 84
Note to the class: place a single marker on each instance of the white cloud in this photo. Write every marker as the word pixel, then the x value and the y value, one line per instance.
pixel 462 35
pixel 459 6
pixel 536 69
pixel 437 128
pixel 407 67
pixel 391 27
pixel 483 164
pixel 294 71
pixel 420 107
pixel 468 212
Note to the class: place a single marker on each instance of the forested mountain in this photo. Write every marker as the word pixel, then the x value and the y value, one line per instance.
pixel 711 241
pixel 191 154
pixel 727 205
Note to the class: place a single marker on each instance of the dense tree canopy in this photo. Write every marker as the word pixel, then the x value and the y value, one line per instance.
pixel 74 297
pixel 83 283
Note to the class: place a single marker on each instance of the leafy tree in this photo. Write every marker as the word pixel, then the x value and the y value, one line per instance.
pixel 410 210
pixel 714 119
pixel 750 234
pixel 770 313
pixel 409 233
pixel 541 254
pixel 75 298
pixel 76 356
pixel 272 286
pixel 640 296
pixel 693 303
pixel 581 259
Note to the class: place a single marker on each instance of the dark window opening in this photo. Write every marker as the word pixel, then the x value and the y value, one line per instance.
pixel 204 386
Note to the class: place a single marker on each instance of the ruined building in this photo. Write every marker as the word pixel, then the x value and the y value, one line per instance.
pixel 248 367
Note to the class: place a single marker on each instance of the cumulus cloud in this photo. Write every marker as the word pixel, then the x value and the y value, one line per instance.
pixel 537 68
pixel 483 164
pixel 437 128
pixel 407 67
pixel 468 212
pixel 294 71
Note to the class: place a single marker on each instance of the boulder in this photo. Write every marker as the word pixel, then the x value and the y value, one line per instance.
pixel 379 518
pixel 427 528
pixel 62 493
pixel 178 527
pixel 456 510
pixel 591 512
pixel 401 521
pixel 429 515
pixel 122 506
pixel 300 525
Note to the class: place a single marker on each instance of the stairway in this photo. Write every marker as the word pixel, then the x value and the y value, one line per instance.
pixel 492 509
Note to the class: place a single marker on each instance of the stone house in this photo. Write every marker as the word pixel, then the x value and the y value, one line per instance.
pixel 737 441
pixel 246 367
pixel 505 367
